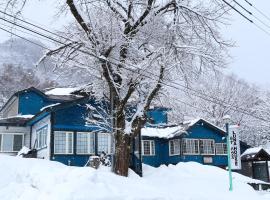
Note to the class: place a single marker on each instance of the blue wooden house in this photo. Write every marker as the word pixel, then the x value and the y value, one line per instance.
pixel 61 125
pixel 195 140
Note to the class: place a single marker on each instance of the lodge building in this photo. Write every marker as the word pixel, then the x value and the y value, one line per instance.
pixel 59 126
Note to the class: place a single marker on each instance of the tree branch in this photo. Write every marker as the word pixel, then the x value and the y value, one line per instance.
pixel 78 17
pixel 143 16
pixel 116 11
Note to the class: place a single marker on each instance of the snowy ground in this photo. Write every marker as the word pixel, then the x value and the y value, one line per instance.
pixel 32 179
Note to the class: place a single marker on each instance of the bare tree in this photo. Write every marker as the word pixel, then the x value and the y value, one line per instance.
pixel 136 47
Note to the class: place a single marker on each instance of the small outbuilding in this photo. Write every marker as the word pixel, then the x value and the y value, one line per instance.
pixel 255 163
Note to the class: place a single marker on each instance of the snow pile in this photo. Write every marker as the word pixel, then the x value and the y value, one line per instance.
pixel 24 150
pixel 167 132
pixel 35 179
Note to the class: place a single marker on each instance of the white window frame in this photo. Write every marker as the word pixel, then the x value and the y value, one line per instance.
pixel 224 145
pixel 40 137
pixel 1 135
pixel 66 149
pixel 152 147
pixel 191 139
pixel 88 143
pixel 109 142
pixel 214 146
pixel 174 150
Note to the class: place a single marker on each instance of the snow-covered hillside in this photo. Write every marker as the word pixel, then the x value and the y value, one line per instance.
pixel 34 179
pixel 20 52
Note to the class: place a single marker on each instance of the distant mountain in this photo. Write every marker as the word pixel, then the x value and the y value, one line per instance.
pixel 25 55
pixel 20 52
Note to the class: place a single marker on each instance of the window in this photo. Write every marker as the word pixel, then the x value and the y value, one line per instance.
pixel 221 148
pixel 174 147
pixel 207 147
pixel 63 142
pixel 104 143
pixel 191 146
pixel 148 147
pixel 11 142
pixel 85 143
pixel 42 137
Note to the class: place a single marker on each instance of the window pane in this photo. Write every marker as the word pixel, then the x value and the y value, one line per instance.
pixel 69 142
pixel 191 146
pixel 81 143
pixel 176 147
pixel 45 131
pixel 91 142
pixel 17 144
pixel 152 148
pixel 171 147
pixel 60 142
pixel 146 147
pixel 103 142
pixel 7 142
pixel 221 148
pixel 207 147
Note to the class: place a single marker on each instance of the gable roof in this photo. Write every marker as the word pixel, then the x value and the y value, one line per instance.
pixel 190 123
pixel 255 154
pixel 52 95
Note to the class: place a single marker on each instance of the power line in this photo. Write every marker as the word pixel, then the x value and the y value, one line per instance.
pixel 34 25
pixel 259 11
pixel 217 101
pixel 249 20
pixel 236 10
pixel 250 13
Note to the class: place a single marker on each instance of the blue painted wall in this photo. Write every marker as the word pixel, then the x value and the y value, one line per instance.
pixel 161 152
pixel 30 103
pixel 157 116
pixel 74 117
pixel 72 160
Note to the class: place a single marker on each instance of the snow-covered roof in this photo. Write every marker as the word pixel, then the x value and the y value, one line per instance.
pixel 16 120
pixel 159 132
pixel 19 116
pixel 61 91
pixel 253 150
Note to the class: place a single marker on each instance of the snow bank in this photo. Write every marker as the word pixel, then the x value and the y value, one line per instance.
pixel 34 179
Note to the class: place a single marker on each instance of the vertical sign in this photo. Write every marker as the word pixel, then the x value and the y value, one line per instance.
pixel 235 147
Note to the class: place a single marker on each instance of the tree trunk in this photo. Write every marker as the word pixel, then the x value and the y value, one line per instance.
pixel 122 153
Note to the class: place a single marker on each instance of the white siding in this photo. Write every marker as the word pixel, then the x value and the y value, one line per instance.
pixel 19 130
pixel 11 109
pixel 44 152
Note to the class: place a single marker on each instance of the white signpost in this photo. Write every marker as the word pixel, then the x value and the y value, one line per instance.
pixel 235 153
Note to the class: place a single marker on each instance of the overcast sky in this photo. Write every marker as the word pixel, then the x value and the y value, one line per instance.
pixel 250 57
